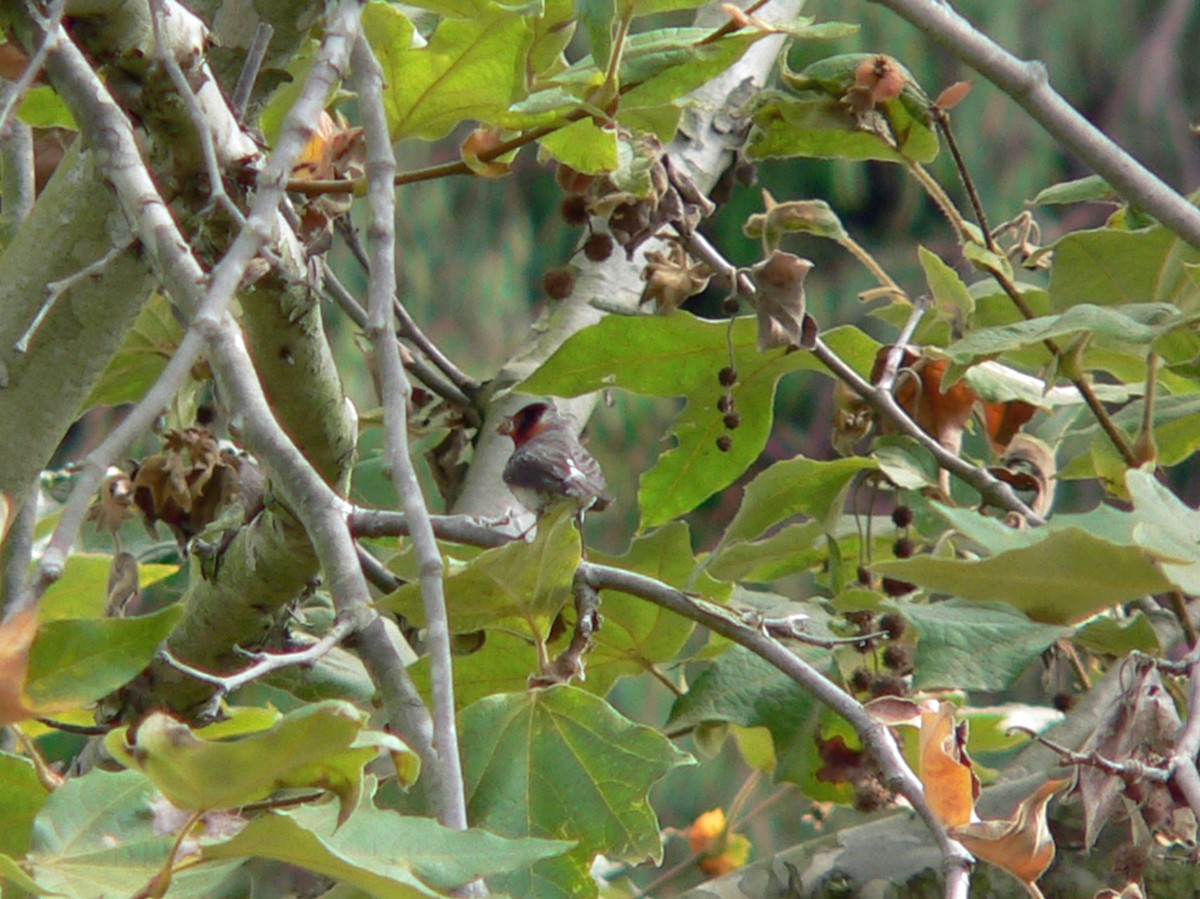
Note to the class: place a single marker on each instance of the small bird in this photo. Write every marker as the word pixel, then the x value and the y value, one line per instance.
pixel 549 463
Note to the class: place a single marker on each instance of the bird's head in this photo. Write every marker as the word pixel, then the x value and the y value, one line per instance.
pixel 527 423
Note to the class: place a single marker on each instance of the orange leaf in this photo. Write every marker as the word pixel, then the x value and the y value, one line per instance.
pixel 945 770
pixel 1022 844
pixel 706 831
pixel 16 636
pixel 1003 420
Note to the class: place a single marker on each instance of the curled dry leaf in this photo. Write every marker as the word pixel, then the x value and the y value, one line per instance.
pixel 671 278
pixel 944 413
pixel 187 484
pixel 853 419
pixel 808 216
pixel 951 784
pixel 123 586
pixel 1022 844
pixel 1029 467
pixel 782 320
pixel 16 636
pixel 114 503
pixel 479 142
pixel 1141 726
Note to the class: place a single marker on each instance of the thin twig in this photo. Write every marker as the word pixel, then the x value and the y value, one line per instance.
pixel 409 328
pixel 875 737
pixel 266 662
pixel 429 375
pixel 166 58
pixel 994 491
pixel 55 289
pixel 887 378
pixel 255 54
pixel 381 168
pixel 48 23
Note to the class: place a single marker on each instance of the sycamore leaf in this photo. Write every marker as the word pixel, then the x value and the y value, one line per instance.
pixel 24 795
pixel 680 355
pixel 381 852
pixel 1063 578
pixel 561 762
pixel 1022 844
pixel 519 586
pixel 323 744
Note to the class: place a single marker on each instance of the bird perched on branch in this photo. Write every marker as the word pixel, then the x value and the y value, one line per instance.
pixel 549 464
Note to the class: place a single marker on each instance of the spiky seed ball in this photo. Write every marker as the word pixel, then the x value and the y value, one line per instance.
pixel 598 247
pixel 559 282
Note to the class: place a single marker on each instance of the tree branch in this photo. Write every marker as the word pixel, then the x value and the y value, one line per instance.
pixel 875 736
pixel 1029 85
pixel 396 392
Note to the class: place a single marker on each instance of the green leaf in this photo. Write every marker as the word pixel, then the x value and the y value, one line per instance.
pixel 1090 189
pixel 742 688
pixel 1119 638
pixel 584 146
pixel 12 873
pixel 143 356
pixel 969 646
pixel 637 635
pixel 383 853
pixel 1108 267
pixel 1138 324
pixel 1168 529
pixel 519 585
pixel 95 836
pixel 599 18
pixel 23 797
pixel 1067 576
pixel 816 119
pixel 82 590
pixel 472 68
pixel 680 355
pixel 952 301
pixel 794 548
pixel 563 763
pixel 323 744
pixel 73 663
pixel 796 486
pixel 677 72
pixel 503 664
pixel 42 107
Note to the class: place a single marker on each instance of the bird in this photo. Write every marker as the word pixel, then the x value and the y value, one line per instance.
pixel 549 464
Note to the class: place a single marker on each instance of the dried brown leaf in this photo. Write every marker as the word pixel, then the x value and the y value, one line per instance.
pixel 1022 844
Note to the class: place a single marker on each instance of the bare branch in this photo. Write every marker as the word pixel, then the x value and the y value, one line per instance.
pixel 449 792
pixel 266 662
pixel 48 23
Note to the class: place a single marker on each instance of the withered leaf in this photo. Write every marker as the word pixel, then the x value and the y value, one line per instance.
pixel 16 636
pixel 1022 844
pixel 946 772
pixel 671 278
pixel 1141 725
pixel 114 503
pixel 780 302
